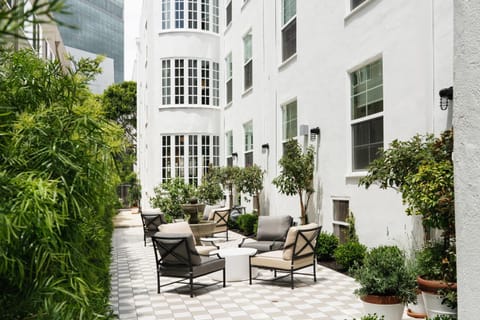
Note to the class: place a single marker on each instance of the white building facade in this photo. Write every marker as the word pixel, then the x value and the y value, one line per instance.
pixel 346 77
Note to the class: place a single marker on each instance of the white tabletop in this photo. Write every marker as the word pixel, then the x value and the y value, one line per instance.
pixel 230 252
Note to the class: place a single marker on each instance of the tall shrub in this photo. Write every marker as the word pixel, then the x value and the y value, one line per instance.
pixel 57 180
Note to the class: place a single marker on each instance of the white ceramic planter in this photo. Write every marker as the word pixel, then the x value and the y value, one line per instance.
pixel 389 311
pixel 434 306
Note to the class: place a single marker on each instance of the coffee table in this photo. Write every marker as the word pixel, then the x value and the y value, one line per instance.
pixel 236 263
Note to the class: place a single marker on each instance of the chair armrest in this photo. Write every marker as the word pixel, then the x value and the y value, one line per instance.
pixel 241 243
pixel 209 242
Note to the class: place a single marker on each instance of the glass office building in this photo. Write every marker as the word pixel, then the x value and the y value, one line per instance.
pixel 99 29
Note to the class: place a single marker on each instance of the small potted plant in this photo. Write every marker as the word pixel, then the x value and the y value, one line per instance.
pixel 386 282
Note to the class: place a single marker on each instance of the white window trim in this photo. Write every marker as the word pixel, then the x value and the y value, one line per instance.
pixel 228 77
pixel 351 13
pixel 249 32
pixel 282 108
pixel 227 3
pixel 185 28
pixel 283 25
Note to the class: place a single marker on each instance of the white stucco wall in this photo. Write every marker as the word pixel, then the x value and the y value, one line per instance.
pixel 467 154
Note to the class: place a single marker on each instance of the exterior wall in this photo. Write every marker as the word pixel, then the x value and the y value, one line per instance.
pixel 412 39
pixel 99 29
pixel 466 155
pixel 331 42
pixel 155 119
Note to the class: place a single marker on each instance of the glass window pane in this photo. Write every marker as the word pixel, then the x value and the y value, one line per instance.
pixel 289 10
pixel 247 47
pixel 289 40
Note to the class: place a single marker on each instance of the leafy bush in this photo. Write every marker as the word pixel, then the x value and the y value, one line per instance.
pixel 349 253
pixel 385 273
pixel 326 245
pixel 441 317
pixel 248 223
pixel 170 195
pixel 371 317
pixel 57 180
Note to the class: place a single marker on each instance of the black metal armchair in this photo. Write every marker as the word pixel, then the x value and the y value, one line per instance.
pixel 176 257
pixel 271 233
pixel 150 222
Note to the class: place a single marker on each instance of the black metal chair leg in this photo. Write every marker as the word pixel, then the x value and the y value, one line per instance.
pixel 314 271
pixel 191 286
pixel 224 277
pixel 291 277
pixel 250 270
pixel 275 273
pixel 158 282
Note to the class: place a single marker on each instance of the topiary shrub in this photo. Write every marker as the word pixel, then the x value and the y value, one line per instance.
pixel 371 317
pixel 247 223
pixel 349 253
pixel 326 245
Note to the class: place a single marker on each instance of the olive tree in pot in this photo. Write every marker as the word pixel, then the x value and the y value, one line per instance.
pixel 422 170
pixel 170 195
pixel 249 180
pixel 386 282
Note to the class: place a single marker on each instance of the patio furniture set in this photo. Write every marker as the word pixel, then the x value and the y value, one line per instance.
pixel 180 253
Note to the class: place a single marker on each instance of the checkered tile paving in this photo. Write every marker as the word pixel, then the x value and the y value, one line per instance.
pixel 134 293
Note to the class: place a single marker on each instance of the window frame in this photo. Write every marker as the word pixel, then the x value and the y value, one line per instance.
pixel 198 15
pixel 229 148
pixel 248 143
pixel 229 78
pixel 368 119
pixel 247 61
pixel 286 122
pixel 228 13
pixel 285 26
pixel 340 224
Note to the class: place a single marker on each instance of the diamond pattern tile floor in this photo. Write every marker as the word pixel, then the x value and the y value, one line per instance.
pixel 134 293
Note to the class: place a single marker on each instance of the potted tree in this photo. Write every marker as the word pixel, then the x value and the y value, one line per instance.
pixel 386 282
pixel 249 180
pixel 296 176
pixel 422 170
pixel 169 197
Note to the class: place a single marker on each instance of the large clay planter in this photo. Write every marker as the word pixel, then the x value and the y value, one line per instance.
pixel 431 298
pixel 389 306
pixel 417 310
pixel 202 229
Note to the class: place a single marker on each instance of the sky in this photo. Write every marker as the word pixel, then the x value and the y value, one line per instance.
pixel 131 14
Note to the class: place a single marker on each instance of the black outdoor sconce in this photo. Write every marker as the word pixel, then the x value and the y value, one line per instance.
pixel 265 147
pixel 446 94
pixel 234 155
pixel 314 133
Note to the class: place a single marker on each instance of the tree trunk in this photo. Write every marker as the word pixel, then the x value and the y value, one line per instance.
pixel 257 203
pixel 303 219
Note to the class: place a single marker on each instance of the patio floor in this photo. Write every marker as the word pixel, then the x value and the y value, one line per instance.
pixel 134 292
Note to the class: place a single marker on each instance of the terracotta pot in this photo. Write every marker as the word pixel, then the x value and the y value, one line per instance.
pixel 390 307
pixel 431 298
pixel 417 310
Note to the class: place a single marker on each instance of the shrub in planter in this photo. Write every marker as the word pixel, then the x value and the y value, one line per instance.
pixel 349 253
pixel 371 317
pixel 170 195
pixel 326 245
pixel 247 223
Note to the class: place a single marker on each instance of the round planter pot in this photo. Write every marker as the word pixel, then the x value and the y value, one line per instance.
pixel 417 310
pixel 388 306
pixel 432 300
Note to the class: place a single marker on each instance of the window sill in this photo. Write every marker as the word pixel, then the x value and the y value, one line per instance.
pixel 287 62
pixel 356 174
pixel 169 31
pixel 357 9
pixel 247 92
pixel 187 106
pixel 229 105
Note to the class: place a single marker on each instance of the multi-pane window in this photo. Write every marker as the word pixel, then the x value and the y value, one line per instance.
pixel 179 81
pixel 289 28
pixel 216 11
pixel 228 76
pixel 247 62
pixel 186 150
pixel 195 82
pixel 205 82
pixel 216 84
pixel 366 114
pixel 166 14
pixel 179 156
pixel 179 14
pixel 289 126
pixel 248 130
pixel 166 82
pixel 205 153
pixel 192 81
pixel 205 15
pixel 193 160
pixel 340 215
pixel 355 3
pixel 228 13
pixel 166 158
pixel 190 14
pixel 229 147
pixel 216 151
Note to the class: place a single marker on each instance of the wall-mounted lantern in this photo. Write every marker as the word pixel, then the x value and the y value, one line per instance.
pixel 314 133
pixel 234 155
pixel 446 95
pixel 265 147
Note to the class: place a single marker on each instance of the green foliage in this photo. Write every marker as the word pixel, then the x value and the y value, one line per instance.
pixel 326 245
pixel 434 263
pixel 14 19
pixel 385 273
pixel 351 234
pixel 134 192
pixel 349 253
pixel 210 191
pixel 170 195
pixel 441 317
pixel 249 180
pixel 57 182
pixel 247 223
pixel 296 175
pixel 371 317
